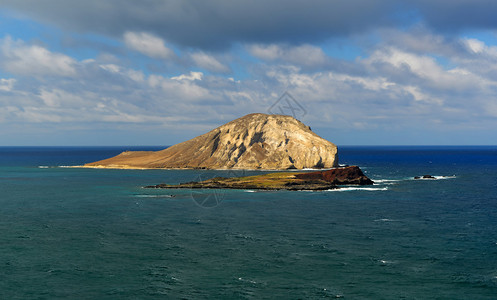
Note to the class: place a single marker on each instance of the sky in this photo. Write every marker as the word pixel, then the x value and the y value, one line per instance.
pixel 159 72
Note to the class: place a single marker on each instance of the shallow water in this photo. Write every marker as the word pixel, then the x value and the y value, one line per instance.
pixel 96 234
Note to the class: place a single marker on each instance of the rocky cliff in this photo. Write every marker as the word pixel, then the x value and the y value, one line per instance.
pixel 255 141
pixel 338 176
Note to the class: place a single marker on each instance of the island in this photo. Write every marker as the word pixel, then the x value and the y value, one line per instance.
pixel 314 181
pixel 255 141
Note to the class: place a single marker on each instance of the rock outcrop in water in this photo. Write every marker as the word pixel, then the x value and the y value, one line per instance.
pixel 320 180
pixel 424 177
pixel 339 176
pixel 255 141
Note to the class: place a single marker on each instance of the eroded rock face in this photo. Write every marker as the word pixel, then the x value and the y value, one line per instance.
pixel 339 176
pixel 255 141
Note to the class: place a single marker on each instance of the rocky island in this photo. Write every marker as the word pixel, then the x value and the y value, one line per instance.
pixel 255 141
pixel 320 180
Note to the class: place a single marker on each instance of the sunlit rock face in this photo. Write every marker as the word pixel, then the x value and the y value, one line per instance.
pixel 255 141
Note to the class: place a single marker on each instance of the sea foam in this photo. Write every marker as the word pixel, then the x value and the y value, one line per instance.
pixel 347 189
pixel 153 196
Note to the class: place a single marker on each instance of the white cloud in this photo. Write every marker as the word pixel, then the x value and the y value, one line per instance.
pixel 401 65
pixel 401 86
pixel 7 84
pixel 419 95
pixel 208 62
pixel 306 55
pixel 147 44
pixel 134 75
pixel 183 87
pixel 420 65
pixel 420 41
pixel 303 55
pixel 61 98
pixel 113 68
pixel 266 52
pixel 478 49
pixel 192 76
pixel 34 60
pixel 476 46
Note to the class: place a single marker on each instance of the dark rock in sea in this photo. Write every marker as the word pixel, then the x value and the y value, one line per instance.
pixel 339 176
pixel 424 177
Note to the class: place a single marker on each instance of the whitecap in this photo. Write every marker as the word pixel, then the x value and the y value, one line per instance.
pixel 386 181
pixel 154 196
pixel 435 177
pixel 247 280
pixel 384 220
pixel 346 189
pixel 48 167
pixel 445 177
pixel 382 262
pixel 249 191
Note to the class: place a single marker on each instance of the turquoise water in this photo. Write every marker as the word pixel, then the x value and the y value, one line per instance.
pixel 70 233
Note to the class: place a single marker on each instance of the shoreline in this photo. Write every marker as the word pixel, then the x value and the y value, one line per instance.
pixel 122 167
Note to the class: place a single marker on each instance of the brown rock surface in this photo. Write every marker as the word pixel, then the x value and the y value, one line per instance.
pixel 255 141
pixel 347 175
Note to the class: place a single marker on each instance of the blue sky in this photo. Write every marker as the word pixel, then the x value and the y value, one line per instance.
pixel 155 72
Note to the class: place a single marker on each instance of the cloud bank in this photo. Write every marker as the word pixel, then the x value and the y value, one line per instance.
pixel 183 67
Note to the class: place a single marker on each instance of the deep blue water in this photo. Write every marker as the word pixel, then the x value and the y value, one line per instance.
pixel 69 233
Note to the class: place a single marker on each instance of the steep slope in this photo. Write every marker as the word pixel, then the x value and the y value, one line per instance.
pixel 255 141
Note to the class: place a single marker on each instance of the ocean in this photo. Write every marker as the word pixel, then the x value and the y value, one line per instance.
pixel 69 233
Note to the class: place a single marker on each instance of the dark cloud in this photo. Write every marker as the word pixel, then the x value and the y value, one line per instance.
pixel 217 24
pixel 450 15
pixel 213 24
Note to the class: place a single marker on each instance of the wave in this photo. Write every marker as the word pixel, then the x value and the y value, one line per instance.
pixel 347 189
pixel 435 177
pixel 386 181
pixel 247 280
pixel 384 262
pixel 385 220
pixel 55 167
pixel 154 196
pixel 394 181
pixel 445 177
